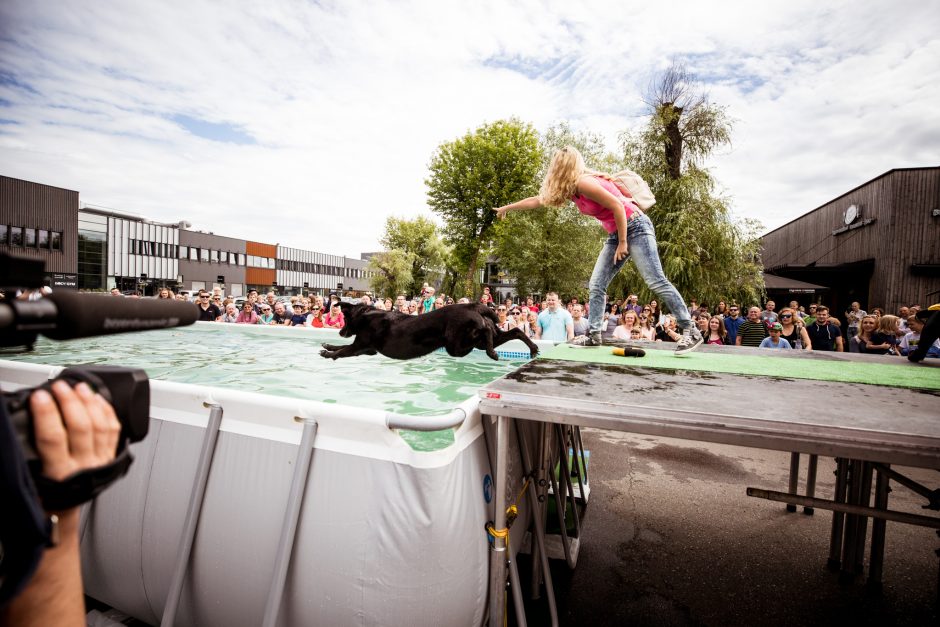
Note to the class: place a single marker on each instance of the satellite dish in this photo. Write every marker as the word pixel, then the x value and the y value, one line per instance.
pixel 851 214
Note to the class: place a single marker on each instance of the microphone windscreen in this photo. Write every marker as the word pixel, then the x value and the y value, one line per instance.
pixel 87 315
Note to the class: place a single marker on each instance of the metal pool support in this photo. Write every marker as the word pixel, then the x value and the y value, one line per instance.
pixel 209 441
pixel 498 555
pixel 288 531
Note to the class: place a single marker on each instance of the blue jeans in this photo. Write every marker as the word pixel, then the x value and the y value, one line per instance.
pixel 641 239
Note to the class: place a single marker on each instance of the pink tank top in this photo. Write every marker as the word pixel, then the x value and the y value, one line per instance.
pixel 606 217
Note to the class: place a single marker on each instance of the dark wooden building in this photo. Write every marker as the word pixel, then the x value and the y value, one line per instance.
pixel 41 221
pixel 878 244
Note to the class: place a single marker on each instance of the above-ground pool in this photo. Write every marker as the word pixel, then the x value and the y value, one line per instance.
pixel 389 524
pixel 286 362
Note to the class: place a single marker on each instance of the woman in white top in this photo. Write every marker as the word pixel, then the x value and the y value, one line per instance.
pixel 628 321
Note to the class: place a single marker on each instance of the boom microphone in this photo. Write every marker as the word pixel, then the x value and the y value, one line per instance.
pixel 69 315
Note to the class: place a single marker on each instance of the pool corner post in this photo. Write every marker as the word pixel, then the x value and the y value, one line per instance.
pixel 498 554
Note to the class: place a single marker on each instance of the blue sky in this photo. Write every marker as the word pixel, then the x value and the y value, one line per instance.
pixel 307 124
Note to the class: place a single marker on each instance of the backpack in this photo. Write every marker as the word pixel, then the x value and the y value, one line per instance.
pixel 636 187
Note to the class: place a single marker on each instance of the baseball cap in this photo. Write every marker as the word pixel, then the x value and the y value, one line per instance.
pixel 777 327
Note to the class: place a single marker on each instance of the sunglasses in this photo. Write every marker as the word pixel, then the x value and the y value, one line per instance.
pixel 787 316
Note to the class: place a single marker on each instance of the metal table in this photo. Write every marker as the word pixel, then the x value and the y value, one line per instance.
pixel 857 424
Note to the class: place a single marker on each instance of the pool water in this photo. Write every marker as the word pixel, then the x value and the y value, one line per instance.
pixel 286 362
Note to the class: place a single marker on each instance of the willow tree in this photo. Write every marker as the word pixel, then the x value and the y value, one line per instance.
pixel 391 272
pixel 554 248
pixel 489 167
pixel 706 253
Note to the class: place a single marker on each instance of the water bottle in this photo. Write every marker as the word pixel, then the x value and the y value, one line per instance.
pixel 798 344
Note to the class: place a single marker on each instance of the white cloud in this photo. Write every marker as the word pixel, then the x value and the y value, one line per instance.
pixel 348 100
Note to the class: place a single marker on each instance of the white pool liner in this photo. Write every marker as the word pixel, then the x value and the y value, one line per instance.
pixel 386 536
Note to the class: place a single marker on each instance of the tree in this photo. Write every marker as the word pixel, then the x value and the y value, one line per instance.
pixel 494 165
pixel 391 272
pixel 419 238
pixel 705 252
pixel 554 248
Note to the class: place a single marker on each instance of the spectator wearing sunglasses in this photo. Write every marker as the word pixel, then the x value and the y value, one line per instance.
pixel 793 330
pixel 247 315
pixel 733 322
pixel 208 312
pixel 316 316
pixel 504 323
pixel 267 316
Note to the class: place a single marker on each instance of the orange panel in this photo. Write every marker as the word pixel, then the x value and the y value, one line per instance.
pixel 261 250
pixel 260 276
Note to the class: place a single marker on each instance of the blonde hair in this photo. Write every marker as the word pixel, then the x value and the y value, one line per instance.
pixel 887 324
pixel 636 319
pixel 561 180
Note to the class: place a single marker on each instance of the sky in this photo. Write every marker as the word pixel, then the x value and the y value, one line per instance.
pixel 307 124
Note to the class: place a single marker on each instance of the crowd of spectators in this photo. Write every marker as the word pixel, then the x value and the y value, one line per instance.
pixel 808 328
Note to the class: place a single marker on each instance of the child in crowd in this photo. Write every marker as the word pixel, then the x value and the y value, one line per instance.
pixel 775 341
pixel 886 335
pixel 299 319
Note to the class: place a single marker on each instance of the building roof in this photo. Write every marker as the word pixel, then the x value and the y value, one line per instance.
pixel 828 202
pixel 774 282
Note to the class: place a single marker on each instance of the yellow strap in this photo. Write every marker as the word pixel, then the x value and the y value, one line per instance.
pixel 497 533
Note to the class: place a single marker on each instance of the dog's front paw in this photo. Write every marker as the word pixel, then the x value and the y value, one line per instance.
pixel 535 352
pixel 327 353
pixel 492 355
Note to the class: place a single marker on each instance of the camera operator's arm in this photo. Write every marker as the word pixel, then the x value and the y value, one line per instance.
pixel 84 435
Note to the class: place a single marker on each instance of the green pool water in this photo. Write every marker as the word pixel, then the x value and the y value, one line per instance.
pixel 286 362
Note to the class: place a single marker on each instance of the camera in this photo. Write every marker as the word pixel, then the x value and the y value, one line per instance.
pixel 126 389
pixel 25 494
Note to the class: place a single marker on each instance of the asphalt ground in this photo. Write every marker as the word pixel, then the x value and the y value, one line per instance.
pixel 671 538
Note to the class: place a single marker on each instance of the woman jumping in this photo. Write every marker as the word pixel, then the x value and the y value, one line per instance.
pixel 631 231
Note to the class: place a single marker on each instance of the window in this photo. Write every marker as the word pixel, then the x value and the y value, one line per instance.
pixel 43 238
pixel 92 260
pixel 193 254
pixel 16 236
pixel 241 259
pixel 4 234
pixel 56 240
pixel 214 256
pixel 29 237
pixel 203 254
pixel 183 252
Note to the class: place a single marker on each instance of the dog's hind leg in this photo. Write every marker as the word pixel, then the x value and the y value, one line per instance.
pixel 349 350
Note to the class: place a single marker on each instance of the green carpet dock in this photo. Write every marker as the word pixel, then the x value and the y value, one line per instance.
pixel 816 365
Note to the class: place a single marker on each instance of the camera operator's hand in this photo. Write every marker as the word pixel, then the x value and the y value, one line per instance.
pixel 78 433
pixel 84 435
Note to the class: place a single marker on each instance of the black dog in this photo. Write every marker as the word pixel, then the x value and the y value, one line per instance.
pixel 457 328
